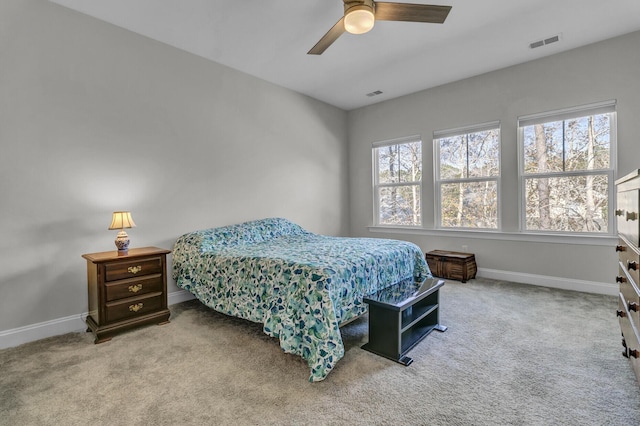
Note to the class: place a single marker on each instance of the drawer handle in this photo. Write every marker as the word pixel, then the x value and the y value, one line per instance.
pixel 633 306
pixel 619 212
pixel 134 269
pixel 632 216
pixel 620 279
pixel 632 264
pixel 135 288
pixel 620 313
pixel 136 307
pixel 634 353
pixel 621 248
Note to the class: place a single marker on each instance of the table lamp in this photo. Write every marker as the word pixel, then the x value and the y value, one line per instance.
pixel 122 220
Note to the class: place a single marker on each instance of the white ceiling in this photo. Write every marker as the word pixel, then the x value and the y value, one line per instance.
pixel 270 39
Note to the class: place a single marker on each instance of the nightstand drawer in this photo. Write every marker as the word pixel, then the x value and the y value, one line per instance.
pixel 134 287
pixel 133 268
pixel 133 307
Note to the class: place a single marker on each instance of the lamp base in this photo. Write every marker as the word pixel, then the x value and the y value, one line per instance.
pixel 122 243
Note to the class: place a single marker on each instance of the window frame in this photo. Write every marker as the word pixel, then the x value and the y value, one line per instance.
pixel 563 115
pixel 377 185
pixel 466 130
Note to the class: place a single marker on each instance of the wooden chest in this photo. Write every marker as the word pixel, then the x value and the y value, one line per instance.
pixel 452 265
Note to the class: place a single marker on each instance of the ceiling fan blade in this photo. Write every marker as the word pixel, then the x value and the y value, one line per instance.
pixel 328 39
pixel 386 11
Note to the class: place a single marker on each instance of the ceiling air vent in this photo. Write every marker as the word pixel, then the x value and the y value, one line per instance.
pixel 376 93
pixel 544 41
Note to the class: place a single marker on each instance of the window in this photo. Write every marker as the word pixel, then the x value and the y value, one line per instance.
pixel 397 181
pixel 567 170
pixel 467 176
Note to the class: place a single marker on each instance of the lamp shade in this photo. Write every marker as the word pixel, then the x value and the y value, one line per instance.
pixel 359 19
pixel 121 220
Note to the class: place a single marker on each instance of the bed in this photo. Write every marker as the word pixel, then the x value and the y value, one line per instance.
pixel 300 285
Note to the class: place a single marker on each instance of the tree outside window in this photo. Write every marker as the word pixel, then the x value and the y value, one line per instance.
pixel 468 170
pixel 398 182
pixel 567 173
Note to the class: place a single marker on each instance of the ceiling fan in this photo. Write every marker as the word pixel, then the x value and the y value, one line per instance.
pixel 360 15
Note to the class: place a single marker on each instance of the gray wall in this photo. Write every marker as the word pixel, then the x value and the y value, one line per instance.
pixel 94 119
pixel 599 72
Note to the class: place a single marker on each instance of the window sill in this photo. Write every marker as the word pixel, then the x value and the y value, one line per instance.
pixel 593 240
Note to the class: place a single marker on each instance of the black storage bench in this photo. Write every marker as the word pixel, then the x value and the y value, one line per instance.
pixel 401 316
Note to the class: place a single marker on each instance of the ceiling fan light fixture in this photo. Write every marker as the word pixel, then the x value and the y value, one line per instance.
pixel 359 19
pixel 360 16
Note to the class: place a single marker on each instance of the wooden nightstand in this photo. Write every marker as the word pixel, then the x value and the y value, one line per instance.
pixel 126 291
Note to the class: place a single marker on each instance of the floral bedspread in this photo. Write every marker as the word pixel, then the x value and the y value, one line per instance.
pixel 301 286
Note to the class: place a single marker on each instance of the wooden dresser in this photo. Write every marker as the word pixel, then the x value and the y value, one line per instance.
pixel 627 211
pixel 126 291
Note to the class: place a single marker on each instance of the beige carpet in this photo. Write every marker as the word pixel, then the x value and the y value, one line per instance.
pixel 513 354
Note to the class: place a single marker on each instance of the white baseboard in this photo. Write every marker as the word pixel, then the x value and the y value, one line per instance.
pixel 179 297
pixel 547 281
pixel 29 333
pixel 74 323
pixel 70 324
